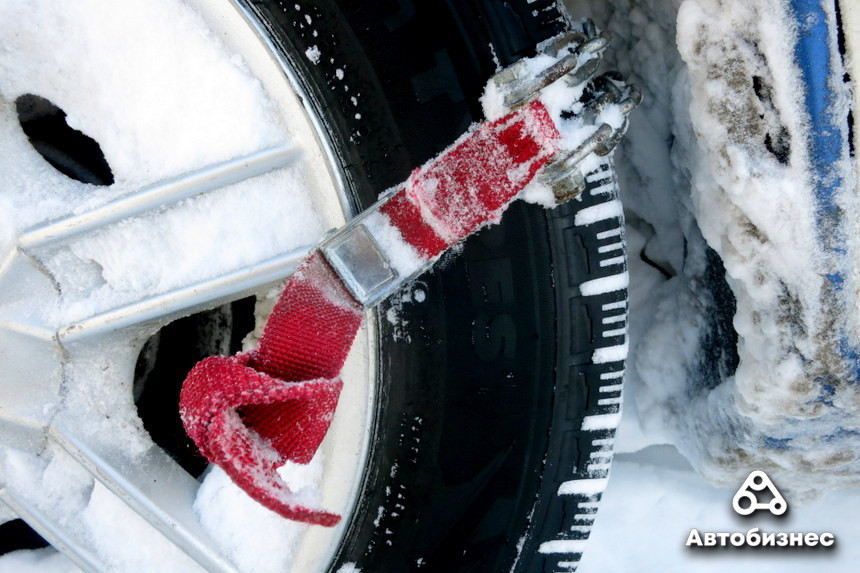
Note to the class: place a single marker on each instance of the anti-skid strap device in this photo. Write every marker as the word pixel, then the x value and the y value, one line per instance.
pixel 252 412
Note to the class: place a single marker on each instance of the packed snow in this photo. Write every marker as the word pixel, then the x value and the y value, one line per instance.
pixel 694 171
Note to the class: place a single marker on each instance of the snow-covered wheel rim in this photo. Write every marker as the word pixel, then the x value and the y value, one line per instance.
pixel 212 148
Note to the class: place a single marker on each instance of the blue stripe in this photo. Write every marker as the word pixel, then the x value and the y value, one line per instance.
pixel 815 53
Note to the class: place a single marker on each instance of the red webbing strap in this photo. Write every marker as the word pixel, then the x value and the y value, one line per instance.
pixel 252 412
pixel 472 183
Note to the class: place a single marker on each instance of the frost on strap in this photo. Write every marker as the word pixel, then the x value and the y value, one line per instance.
pixel 472 183
pixel 252 412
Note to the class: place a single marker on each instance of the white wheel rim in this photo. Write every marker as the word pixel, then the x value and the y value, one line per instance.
pixel 67 409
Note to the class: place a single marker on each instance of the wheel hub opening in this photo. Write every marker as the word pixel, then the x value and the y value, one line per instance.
pixel 16 535
pixel 69 151
pixel 165 361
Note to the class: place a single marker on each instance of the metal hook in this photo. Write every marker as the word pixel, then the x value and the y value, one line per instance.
pixel 564 165
pixel 632 100
pixel 569 40
pixel 596 44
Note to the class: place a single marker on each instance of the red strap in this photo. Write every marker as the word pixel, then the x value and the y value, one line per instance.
pixel 472 183
pixel 252 412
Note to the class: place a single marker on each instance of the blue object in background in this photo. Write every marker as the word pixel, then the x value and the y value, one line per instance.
pixel 818 57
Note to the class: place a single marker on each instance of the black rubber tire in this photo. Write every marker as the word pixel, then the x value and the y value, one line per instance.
pixel 484 385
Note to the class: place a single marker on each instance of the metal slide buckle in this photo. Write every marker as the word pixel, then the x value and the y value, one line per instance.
pixel 359 259
pixel 360 262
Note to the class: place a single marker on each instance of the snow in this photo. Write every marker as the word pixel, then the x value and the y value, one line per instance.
pixel 538 193
pixel 313 54
pixel 603 421
pixel 111 520
pixel 228 514
pixel 45 560
pixel 401 255
pixel 610 354
pixel 595 213
pixel 658 479
pixel 563 546
pixel 689 173
pixel 693 173
pixel 589 487
pixel 162 95
pixel 603 285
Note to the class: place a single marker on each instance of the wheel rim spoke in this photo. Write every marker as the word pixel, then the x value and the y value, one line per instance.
pixel 160 194
pixel 161 308
pixel 38 244
pixel 138 482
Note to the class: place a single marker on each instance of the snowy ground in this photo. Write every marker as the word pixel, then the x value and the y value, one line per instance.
pixel 655 498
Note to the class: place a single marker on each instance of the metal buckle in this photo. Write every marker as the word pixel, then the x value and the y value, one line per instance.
pixel 361 263
pixel 361 260
pixel 563 174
